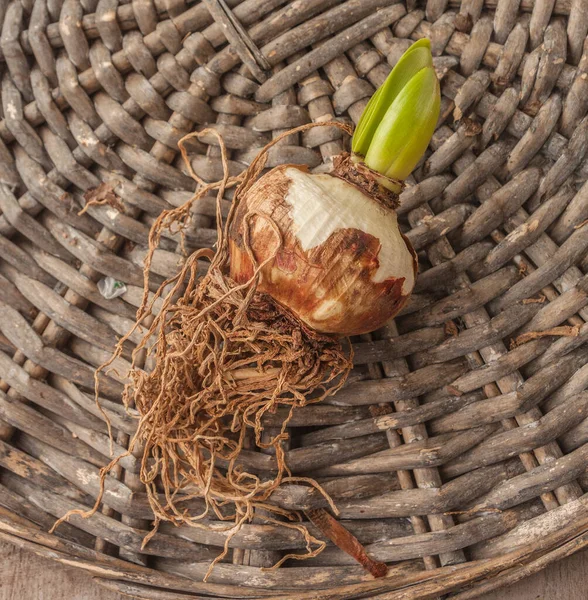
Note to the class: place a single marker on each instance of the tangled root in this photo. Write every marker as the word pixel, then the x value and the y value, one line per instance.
pixel 224 356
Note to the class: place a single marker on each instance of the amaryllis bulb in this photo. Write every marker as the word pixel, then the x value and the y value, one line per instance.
pixel 343 266
pixel 329 246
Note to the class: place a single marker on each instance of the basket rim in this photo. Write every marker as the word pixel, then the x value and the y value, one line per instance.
pixel 465 581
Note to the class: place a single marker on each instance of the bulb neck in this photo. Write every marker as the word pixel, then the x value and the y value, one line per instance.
pixel 352 169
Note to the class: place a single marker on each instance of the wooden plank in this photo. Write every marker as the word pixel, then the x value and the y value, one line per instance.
pixel 24 575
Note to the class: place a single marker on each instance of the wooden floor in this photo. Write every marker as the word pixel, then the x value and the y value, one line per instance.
pixel 24 576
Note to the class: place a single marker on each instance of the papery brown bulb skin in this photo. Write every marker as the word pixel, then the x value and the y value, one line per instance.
pixel 330 277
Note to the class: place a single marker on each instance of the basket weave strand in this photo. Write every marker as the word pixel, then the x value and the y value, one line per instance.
pixel 458 451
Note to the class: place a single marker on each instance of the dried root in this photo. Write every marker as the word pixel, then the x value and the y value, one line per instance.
pixel 224 356
pixel 101 195
pixel 561 331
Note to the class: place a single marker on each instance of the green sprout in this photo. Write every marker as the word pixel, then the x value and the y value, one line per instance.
pixel 399 120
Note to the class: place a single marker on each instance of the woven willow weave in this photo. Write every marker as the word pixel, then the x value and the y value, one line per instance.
pixel 458 453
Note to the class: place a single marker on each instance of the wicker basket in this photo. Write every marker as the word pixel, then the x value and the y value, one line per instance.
pixel 459 454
